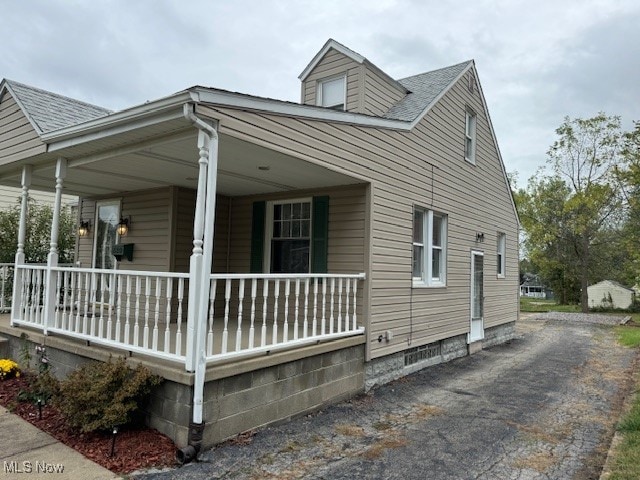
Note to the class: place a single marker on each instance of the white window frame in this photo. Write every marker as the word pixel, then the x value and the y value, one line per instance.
pixel 501 251
pixel 268 231
pixel 470 127
pixel 426 279
pixel 319 90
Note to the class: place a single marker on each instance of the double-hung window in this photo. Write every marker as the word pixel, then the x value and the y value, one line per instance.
pixel 470 137
pixel 290 237
pixel 429 248
pixel 501 254
pixel 331 93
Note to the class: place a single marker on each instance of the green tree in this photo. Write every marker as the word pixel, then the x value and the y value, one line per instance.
pixel 38 233
pixel 630 178
pixel 549 240
pixel 570 216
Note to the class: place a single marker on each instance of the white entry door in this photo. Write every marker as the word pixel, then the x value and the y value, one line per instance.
pixel 477 297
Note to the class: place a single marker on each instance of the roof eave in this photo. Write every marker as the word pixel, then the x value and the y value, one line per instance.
pixel 235 100
pixel 119 122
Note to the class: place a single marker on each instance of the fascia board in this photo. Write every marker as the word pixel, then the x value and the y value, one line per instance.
pixel 119 122
pixel 226 99
pixel 356 57
pixel 495 142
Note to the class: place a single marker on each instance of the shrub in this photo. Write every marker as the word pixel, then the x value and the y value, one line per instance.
pixel 100 396
pixel 8 369
pixel 41 384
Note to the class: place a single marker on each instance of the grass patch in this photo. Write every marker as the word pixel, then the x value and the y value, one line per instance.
pixel 625 460
pixel 628 336
pixel 539 305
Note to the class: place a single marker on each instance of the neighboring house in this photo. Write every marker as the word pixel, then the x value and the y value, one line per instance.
pixel 533 287
pixel 610 294
pixel 353 238
pixel 10 197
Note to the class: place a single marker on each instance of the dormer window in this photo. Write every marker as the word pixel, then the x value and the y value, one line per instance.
pixel 332 93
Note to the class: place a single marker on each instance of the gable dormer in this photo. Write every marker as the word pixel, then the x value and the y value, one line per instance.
pixel 342 79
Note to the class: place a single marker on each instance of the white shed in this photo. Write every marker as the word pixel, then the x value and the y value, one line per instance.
pixel 608 293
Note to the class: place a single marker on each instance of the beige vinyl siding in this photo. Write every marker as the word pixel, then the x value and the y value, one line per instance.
pixel 423 167
pixel 84 245
pixel 149 230
pixel 346 228
pixel 379 93
pixel 333 64
pixel 18 138
pixel 185 203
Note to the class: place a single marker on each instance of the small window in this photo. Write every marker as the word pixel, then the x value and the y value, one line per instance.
pixel 429 248
pixel 290 236
pixel 501 260
pixel 332 93
pixel 470 137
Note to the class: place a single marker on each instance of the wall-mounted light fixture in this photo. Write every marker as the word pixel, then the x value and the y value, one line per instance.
pixel 479 237
pixel 83 228
pixel 123 226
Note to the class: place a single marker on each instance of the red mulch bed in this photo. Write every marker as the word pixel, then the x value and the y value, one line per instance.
pixel 135 448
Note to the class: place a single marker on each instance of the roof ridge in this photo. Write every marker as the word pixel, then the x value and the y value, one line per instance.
pixel 466 62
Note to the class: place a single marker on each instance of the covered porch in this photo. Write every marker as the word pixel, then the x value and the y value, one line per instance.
pixel 235 249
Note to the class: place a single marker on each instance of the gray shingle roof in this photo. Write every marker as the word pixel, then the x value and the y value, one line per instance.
pixel 424 89
pixel 49 111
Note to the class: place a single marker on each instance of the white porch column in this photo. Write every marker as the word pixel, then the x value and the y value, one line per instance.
pixel 22 234
pixel 52 260
pixel 201 324
pixel 196 260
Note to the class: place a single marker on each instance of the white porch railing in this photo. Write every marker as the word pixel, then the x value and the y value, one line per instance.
pixel 267 312
pixel 146 312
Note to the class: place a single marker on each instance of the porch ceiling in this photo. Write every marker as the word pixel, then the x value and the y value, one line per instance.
pixel 244 168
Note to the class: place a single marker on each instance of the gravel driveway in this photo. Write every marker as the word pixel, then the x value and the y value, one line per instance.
pixel 541 407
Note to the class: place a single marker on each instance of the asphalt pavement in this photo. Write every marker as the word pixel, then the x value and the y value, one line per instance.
pixel 542 406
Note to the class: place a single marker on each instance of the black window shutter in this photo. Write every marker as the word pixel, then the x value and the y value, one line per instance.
pixel 320 234
pixel 257 236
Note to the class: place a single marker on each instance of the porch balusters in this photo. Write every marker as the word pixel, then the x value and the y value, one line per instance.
pixel 157 314
pixel 305 332
pixel 212 300
pixel 295 321
pixel 179 328
pixel 331 319
pixel 240 304
pixel 276 293
pixel 225 330
pixel 167 330
pixel 265 295
pixel 285 328
pixel 254 288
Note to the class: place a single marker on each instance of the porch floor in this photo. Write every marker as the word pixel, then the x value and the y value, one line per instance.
pixel 175 370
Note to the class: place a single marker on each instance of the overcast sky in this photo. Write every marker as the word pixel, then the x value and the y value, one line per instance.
pixel 538 61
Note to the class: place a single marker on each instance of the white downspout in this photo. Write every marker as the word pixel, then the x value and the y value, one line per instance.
pixel 199 347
